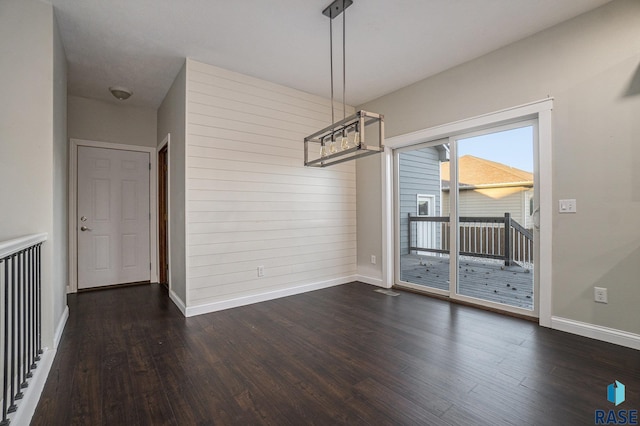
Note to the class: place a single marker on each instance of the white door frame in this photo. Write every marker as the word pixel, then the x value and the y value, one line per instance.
pixel 73 205
pixel 540 110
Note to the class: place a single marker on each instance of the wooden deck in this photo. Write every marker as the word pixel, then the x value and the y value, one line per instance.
pixel 479 278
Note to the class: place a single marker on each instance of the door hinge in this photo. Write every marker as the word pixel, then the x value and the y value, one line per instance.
pixel 149 166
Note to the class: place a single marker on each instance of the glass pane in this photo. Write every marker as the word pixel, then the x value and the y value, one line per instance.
pixel 424 228
pixel 495 186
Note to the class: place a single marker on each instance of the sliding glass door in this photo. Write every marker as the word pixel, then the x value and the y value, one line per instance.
pixel 423 229
pixel 465 217
pixel 495 199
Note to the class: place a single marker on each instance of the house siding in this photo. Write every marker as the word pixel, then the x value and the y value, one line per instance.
pixel 419 173
pixel 250 201
pixel 493 202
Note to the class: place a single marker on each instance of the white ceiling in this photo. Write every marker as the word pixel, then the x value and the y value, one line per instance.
pixel 142 44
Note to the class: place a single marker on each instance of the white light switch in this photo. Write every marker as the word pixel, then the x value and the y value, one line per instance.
pixel 567 206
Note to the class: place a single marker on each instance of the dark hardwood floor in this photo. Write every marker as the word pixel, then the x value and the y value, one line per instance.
pixel 343 355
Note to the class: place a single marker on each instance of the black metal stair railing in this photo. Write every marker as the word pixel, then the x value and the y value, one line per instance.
pixel 21 332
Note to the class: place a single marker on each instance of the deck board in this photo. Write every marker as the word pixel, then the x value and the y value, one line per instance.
pixel 479 278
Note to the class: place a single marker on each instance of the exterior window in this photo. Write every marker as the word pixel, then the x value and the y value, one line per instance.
pixel 531 206
pixel 424 204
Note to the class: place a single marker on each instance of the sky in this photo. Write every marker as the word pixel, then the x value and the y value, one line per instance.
pixel 512 147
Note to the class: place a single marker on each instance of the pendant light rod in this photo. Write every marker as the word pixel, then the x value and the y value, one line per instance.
pixel 333 119
pixel 344 61
pixel 333 10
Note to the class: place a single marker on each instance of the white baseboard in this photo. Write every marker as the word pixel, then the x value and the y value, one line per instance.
pixel 370 280
pixel 262 297
pixel 178 302
pixel 606 334
pixel 60 328
pixel 28 404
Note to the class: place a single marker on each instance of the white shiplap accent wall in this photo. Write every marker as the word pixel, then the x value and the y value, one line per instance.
pixel 250 200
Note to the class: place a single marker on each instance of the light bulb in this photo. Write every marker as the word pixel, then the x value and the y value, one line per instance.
pixel 323 151
pixel 356 138
pixel 345 142
pixel 332 147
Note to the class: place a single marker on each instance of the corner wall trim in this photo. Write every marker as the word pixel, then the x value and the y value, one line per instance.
pixel 605 334
pixel 178 302
pixel 370 280
pixel 60 328
pixel 263 297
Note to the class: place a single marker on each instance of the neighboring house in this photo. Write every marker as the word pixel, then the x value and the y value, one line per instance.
pixel 420 193
pixel 488 188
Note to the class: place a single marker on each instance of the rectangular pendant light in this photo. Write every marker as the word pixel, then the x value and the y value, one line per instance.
pixel 364 133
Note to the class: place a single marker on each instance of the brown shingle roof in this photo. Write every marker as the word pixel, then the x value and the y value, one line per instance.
pixel 474 171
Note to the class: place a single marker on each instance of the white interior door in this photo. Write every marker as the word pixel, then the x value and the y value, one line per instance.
pixel 113 217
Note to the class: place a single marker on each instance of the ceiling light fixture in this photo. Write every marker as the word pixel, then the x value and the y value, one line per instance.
pixel 321 148
pixel 121 93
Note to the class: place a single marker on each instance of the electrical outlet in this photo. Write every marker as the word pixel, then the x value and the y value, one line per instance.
pixel 261 271
pixel 600 295
pixel 373 259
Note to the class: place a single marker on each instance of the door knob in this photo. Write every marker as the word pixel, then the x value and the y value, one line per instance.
pixel 84 228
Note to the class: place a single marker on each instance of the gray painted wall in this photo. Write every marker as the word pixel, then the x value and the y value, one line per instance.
pixel 33 143
pixel 101 121
pixel 60 175
pixel 369 216
pixel 591 66
pixel 171 120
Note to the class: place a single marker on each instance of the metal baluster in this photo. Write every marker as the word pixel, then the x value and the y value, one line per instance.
pixel 32 351
pixel 5 341
pixel 14 297
pixel 39 279
pixel 27 332
pixel 23 361
pixel 29 329
pixel 20 306
pixel 32 340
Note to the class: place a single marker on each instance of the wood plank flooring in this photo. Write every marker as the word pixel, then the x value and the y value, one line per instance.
pixel 343 355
